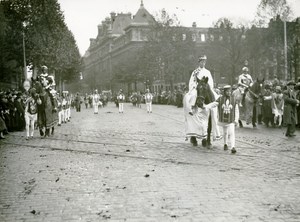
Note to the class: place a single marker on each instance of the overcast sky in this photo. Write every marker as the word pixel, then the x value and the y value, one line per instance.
pixel 83 16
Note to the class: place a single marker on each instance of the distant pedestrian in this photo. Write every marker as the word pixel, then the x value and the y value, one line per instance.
pixel 139 100
pixel 121 100
pixel 148 100
pixel 86 100
pixel 96 101
pixel 78 102
pixel 60 111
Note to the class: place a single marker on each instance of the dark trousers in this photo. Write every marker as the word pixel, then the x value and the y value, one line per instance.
pixel 254 117
pixel 291 128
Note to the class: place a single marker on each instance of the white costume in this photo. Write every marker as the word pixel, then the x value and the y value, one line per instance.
pixel 148 100
pixel 277 105
pixel 96 102
pixel 60 111
pixel 199 73
pixel 245 80
pixel 121 99
pixel 228 111
pixel 195 125
pixel 30 116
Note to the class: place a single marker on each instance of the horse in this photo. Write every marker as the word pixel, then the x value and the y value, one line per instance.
pixel 199 124
pixel 205 96
pixel 248 102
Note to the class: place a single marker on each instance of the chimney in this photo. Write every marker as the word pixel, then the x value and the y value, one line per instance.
pixel 194 25
pixel 113 16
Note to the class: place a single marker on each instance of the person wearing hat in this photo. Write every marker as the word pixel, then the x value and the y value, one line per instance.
pixel 244 82
pixel 199 73
pixel 277 106
pixel 191 96
pixel 121 100
pixel 44 70
pixel 228 110
pixel 290 109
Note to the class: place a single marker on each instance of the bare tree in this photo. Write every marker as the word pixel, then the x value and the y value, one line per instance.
pixel 270 9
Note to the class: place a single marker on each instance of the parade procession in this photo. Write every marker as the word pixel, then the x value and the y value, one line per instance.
pixel 163 111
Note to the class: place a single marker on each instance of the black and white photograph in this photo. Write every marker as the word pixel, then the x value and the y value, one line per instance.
pixel 150 110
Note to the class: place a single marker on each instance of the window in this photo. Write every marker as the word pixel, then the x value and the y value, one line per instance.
pixel 183 37
pixel 202 37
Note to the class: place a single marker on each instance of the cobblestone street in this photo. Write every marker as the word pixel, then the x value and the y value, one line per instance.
pixel 137 166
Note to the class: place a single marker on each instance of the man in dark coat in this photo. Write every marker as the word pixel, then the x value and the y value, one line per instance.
pixel 290 109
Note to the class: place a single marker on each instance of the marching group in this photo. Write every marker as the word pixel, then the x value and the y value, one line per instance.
pixel 40 107
pixel 44 108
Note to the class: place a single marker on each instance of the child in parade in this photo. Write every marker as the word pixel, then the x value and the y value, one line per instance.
pixel 228 110
pixel 30 113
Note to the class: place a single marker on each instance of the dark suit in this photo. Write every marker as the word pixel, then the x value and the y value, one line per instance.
pixel 290 111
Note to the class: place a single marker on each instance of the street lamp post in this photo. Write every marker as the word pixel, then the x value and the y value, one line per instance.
pixel 24 53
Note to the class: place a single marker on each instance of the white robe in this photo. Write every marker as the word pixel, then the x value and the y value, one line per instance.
pixel 195 125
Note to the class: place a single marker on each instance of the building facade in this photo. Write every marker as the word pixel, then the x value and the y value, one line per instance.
pixel 122 35
pixel 118 37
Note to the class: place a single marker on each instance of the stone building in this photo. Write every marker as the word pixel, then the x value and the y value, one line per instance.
pixel 122 35
pixel 119 36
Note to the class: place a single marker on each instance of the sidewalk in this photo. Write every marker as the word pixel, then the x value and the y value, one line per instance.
pixel 138 167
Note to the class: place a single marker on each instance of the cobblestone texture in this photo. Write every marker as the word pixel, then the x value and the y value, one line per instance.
pixel 138 167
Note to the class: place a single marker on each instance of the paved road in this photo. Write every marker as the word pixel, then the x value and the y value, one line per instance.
pixel 138 167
